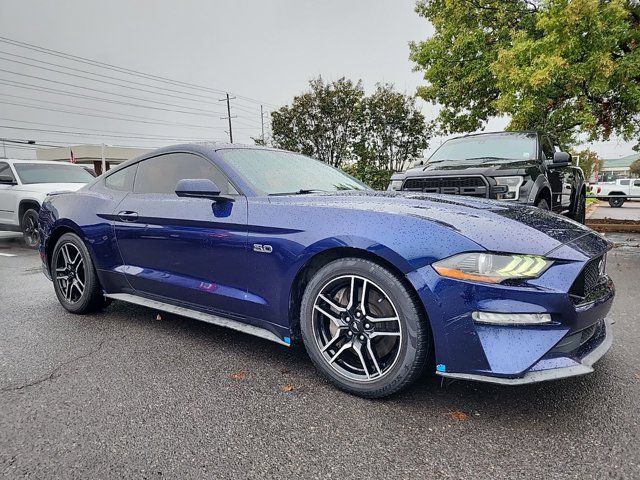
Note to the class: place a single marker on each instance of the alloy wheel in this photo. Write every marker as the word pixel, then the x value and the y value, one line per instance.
pixel 70 273
pixel 357 328
pixel 30 231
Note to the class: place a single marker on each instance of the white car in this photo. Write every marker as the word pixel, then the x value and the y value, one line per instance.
pixel 619 191
pixel 23 186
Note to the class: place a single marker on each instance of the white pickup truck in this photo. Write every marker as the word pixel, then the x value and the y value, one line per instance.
pixel 617 192
pixel 23 186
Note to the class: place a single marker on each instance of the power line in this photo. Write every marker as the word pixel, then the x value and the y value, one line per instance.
pixel 106 91
pixel 102 75
pixel 128 71
pixel 84 129
pixel 105 81
pixel 135 120
pixel 84 134
pixel 31 86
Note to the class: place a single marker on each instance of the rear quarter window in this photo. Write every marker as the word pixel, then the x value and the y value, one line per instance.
pixel 122 179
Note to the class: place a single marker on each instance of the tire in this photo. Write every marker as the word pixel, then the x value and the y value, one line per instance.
pixel 392 352
pixel 580 210
pixel 29 226
pixel 616 202
pixel 542 204
pixel 74 276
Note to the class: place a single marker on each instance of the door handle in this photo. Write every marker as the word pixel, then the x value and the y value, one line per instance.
pixel 128 216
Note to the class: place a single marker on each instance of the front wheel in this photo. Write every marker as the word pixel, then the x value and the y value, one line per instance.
pixel 542 204
pixel 616 202
pixel 74 276
pixel 363 329
pixel 579 212
pixel 30 231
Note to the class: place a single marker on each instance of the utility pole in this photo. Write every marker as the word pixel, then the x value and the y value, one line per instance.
pixel 262 122
pixel 228 115
pixel 104 162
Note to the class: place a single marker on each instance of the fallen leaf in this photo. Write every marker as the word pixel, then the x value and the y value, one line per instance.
pixel 457 415
pixel 284 371
pixel 158 317
pixel 288 388
pixel 238 376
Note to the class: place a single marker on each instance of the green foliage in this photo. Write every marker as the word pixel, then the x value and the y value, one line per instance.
pixel 564 66
pixel 321 122
pixel 392 130
pixel 336 122
pixel 634 169
pixel 369 173
pixel 587 161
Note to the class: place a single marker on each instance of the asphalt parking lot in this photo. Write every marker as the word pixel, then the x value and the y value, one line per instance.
pixel 122 394
pixel 628 211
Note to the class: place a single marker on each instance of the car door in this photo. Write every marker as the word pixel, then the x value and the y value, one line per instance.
pixel 8 212
pixel 635 188
pixel 187 250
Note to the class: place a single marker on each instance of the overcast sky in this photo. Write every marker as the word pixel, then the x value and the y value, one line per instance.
pixel 265 50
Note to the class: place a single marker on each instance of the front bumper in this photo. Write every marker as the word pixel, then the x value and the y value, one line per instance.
pixel 546 369
pixel 577 337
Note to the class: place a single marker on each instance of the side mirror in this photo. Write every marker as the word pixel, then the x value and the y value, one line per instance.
pixel 199 188
pixel 7 180
pixel 560 159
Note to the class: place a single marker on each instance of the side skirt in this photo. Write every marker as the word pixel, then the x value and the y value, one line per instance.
pixel 197 315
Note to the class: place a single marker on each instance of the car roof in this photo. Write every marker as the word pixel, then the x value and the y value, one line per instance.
pixel 43 162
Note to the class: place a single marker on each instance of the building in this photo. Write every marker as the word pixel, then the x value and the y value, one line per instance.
pixel 614 168
pixel 90 155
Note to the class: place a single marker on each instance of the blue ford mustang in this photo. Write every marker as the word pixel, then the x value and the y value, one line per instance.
pixel 284 247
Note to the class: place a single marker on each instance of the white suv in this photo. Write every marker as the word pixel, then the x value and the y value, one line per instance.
pixel 23 186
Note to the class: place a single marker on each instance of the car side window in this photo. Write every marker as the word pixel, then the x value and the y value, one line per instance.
pixel 161 174
pixel 547 149
pixel 636 183
pixel 624 182
pixel 122 179
pixel 5 169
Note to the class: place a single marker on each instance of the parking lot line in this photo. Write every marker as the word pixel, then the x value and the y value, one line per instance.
pixel 7 254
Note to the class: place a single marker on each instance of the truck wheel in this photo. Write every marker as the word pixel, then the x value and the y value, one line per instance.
pixel 29 225
pixel 542 204
pixel 579 212
pixel 616 202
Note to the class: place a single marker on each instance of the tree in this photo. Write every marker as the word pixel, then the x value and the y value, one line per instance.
pixel 321 122
pixel 393 131
pixel 634 169
pixel 588 161
pixel 566 66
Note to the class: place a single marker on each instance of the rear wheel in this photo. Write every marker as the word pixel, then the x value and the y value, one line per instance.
pixel 30 231
pixel 363 329
pixel 616 202
pixel 74 277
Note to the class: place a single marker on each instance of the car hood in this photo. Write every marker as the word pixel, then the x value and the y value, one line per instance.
pixel 46 188
pixel 494 225
pixel 470 167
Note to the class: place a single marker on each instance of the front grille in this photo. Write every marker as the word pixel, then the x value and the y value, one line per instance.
pixel 471 186
pixel 588 280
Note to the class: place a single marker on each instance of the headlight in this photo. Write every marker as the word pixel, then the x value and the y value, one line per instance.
pixel 513 187
pixel 395 185
pixel 492 267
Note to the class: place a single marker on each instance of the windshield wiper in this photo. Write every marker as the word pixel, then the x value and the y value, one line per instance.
pixel 302 191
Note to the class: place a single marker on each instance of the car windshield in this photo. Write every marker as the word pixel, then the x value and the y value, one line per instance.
pixel 279 173
pixel 47 173
pixel 510 146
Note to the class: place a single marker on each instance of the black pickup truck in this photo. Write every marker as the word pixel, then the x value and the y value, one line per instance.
pixel 524 167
